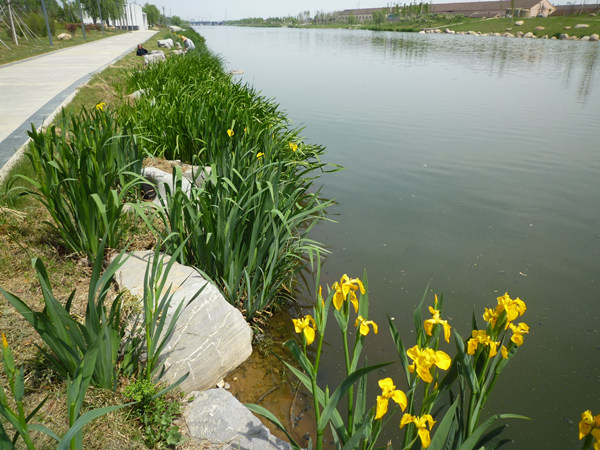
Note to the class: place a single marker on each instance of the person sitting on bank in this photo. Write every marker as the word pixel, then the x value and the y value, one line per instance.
pixel 141 51
pixel 187 43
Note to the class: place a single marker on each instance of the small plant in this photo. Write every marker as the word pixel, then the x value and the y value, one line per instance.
pixel 76 389
pixel 156 414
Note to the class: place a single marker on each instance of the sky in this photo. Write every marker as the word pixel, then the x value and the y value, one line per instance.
pixel 238 9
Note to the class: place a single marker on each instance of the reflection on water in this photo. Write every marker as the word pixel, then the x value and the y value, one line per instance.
pixel 470 162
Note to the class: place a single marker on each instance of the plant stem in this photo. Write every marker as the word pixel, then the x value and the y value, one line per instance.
pixel 351 390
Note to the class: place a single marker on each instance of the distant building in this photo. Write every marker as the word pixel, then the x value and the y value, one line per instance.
pixel 523 8
pixel 501 8
pixel 362 15
pixel 133 18
pixel 573 9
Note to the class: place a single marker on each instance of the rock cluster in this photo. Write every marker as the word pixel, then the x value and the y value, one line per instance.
pixel 519 34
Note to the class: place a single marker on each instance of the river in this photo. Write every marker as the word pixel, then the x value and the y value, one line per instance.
pixel 470 162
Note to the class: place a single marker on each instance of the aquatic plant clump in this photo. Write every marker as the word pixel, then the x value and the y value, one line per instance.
pixel 246 227
pixel 446 414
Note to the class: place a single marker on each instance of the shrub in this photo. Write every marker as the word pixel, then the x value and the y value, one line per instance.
pixel 87 170
pixel 71 27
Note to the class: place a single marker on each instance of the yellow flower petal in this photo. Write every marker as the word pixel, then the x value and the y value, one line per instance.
pixel 382 406
pixel 230 132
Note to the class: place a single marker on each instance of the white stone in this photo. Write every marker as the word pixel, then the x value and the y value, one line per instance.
pixel 178 52
pixel 175 28
pixel 529 35
pixel 218 417
pixel 594 37
pixel 585 38
pixel 163 182
pixel 564 36
pixel 582 25
pixel 168 43
pixel 518 23
pixel 520 34
pixel 154 57
pixel 211 337
pixel 539 28
pixel 64 37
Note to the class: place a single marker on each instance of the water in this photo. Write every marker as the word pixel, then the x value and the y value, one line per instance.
pixel 471 163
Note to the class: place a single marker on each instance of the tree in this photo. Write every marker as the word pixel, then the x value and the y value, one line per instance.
pixel 176 20
pixel 352 19
pixel 152 13
pixel 379 18
pixel 111 9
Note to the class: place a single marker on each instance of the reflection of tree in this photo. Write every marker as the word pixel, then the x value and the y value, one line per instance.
pixel 561 60
pixel 587 77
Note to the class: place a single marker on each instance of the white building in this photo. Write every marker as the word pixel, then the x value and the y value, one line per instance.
pixel 133 18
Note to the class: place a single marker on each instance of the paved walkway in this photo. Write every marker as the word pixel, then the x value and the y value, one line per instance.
pixel 33 89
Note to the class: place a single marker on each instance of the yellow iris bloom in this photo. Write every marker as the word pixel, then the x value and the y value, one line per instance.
pixel 346 289
pixel 307 326
pixel 435 319
pixel 388 390
pixel 589 424
pixel 424 359
pixel 230 132
pixel 293 146
pixel 100 106
pixel 480 337
pixel 364 325
pixel 518 332
pixel 260 155
pixel 421 424
pixel 514 308
pixel 4 341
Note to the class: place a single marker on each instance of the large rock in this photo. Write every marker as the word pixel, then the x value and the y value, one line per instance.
pixel 211 337
pixel 153 57
pixel 64 37
pixel 167 43
pixel 519 23
pixel 594 37
pixel 563 36
pixel 217 416
pixel 582 25
pixel 161 182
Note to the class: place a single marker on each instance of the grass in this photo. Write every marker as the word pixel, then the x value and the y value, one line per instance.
pixel 34 47
pixel 23 236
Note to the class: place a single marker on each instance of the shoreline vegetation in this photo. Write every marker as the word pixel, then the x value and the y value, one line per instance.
pixel 552 26
pixel 64 206
pixel 247 229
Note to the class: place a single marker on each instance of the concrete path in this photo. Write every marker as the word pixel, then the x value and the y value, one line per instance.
pixel 32 89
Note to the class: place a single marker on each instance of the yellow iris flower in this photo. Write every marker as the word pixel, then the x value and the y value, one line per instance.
pixel 293 146
pixel 230 132
pixel 421 424
pixel 424 359
pixel 518 332
pixel 589 424
pixel 435 319
pixel 4 341
pixel 388 390
pixel 100 106
pixel 364 325
pixel 260 155
pixel 346 290
pixel 514 308
pixel 480 337
pixel 307 326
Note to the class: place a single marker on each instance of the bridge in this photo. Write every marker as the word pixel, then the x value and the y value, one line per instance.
pixel 205 22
